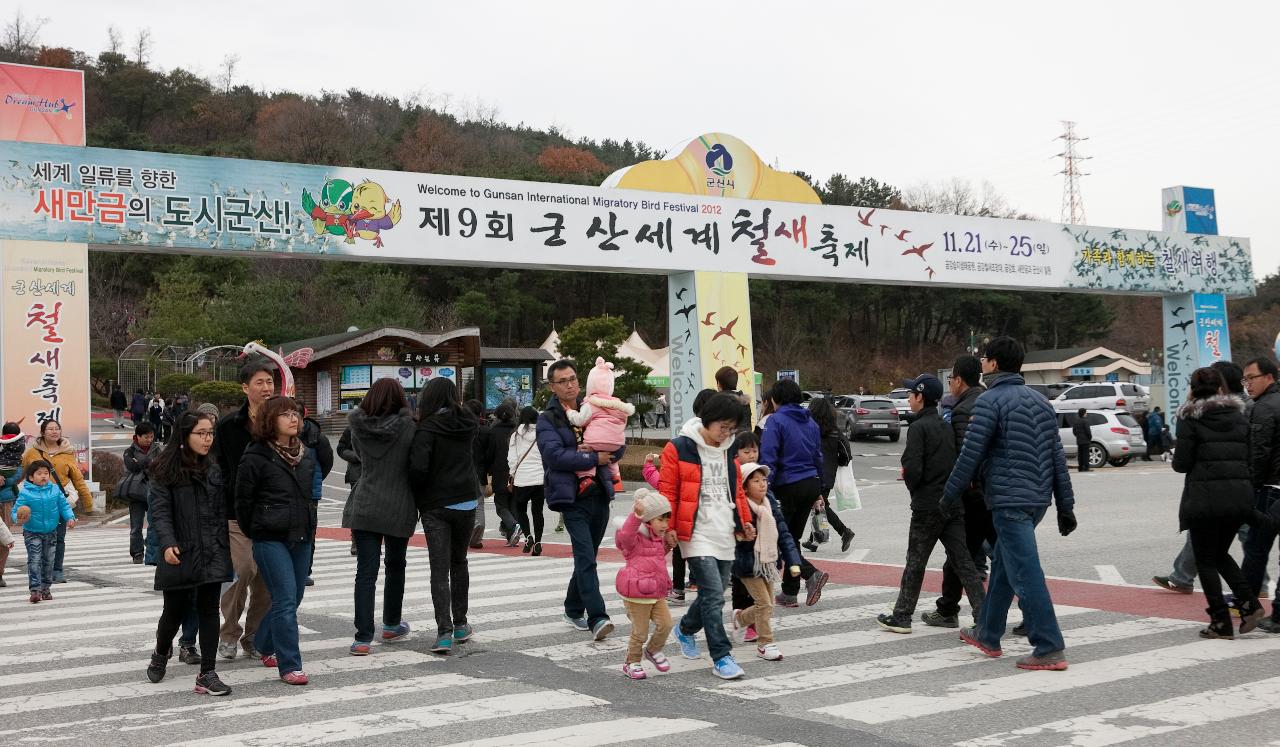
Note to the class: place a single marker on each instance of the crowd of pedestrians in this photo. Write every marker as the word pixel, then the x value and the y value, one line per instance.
pixel 230 507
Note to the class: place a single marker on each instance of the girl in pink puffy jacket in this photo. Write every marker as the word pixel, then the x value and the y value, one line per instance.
pixel 644 582
pixel 603 420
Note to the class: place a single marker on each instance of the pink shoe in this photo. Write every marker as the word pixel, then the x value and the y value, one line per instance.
pixel 294 678
pixel 270 661
pixel 750 636
pixel 658 660
pixel 633 670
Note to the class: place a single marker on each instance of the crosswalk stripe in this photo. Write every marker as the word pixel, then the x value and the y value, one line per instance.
pixel 1027 684
pixel 109 693
pixel 81 635
pixel 1118 725
pixel 596 733
pixel 408 719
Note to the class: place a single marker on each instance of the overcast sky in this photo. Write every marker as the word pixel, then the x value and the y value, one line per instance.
pixel 1168 92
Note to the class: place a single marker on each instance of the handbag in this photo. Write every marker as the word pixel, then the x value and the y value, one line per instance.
pixel 511 478
pixel 845 490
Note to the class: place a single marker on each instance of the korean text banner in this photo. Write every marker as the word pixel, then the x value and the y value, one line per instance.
pixel 1212 334
pixel 44 322
pixel 160 201
pixel 41 104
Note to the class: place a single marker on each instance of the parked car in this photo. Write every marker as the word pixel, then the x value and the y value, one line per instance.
pixel 1051 391
pixel 869 416
pixel 842 416
pixel 1106 395
pixel 1116 437
pixel 899 397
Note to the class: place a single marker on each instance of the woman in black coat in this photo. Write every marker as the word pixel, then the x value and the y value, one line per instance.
pixel 275 508
pixel 188 516
pixel 835 454
pixel 1217 497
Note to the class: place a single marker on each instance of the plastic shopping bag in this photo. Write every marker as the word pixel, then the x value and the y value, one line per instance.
pixel 845 491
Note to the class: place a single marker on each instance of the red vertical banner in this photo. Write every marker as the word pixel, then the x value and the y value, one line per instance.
pixel 41 104
pixel 44 338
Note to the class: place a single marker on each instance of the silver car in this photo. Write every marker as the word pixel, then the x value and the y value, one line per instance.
pixel 1116 437
pixel 1103 395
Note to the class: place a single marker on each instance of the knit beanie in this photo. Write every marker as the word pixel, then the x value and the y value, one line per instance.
pixel 653 503
pixel 208 408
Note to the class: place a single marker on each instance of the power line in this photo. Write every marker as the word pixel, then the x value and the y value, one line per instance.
pixel 1072 201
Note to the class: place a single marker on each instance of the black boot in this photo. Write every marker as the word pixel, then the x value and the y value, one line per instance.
pixel 1251 613
pixel 159 662
pixel 1219 625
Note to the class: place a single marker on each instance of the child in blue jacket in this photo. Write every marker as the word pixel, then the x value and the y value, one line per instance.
pixel 41 506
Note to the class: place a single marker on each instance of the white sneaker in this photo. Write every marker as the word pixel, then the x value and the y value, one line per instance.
pixel 769 652
pixel 227 649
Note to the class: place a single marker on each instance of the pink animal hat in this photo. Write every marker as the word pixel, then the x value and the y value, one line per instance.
pixel 600 378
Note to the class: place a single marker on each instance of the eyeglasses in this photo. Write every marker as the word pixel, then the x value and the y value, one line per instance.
pixel 1248 378
pixel 202 434
pixel 291 414
pixel 723 426
pixel 570 380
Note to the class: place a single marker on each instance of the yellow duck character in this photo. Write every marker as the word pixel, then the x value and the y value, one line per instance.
pixel 369 215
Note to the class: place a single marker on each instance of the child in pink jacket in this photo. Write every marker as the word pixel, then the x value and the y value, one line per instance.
pixel 602 418
pixel 644 582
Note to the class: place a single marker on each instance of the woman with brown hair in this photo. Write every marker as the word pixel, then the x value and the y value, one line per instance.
pixel 58 451
pixel 1217 497
pixel 380 511
pixel 275 509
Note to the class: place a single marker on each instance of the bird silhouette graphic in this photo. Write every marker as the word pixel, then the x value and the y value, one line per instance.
pixel 1183 325
pixel 726 331
pixel 930 271
pixel 716 356
pixel 865 219
pixel 883 228
pixel 1178 310
pixel 902 235
pixel 742 349
pixel 680 294
pixel 707 322
pixel 688 335
pixel 918 250
pixel 687 311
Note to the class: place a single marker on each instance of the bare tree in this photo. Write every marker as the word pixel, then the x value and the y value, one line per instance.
pixel 114 42
pixel 228 72
pixel 22 35
pixel 959 197
pixel 142 48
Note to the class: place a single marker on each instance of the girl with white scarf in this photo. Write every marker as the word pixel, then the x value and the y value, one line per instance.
pixel 757 562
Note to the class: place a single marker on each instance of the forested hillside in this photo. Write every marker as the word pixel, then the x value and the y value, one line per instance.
pixel 840 335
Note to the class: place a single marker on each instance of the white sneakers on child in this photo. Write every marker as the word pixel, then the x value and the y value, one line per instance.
pixel 769 652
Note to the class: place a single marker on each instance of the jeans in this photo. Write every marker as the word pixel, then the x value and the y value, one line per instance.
pixel 40 551
pixel 978 532
pixel 586 521
pixel 368 549
pixel 1211 542
pixel 191 622
pixel 927 529
pixel 1015 569
pixel 178 606
pixel 502 504
pixel 283 568
pixel 60 550
pixel 706 613
pixel 137 517
pixel 525 496
pixel 448 533
pixel 1257 548
pixel 797 501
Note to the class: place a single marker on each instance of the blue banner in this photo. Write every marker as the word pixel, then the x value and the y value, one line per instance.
pixel 1202 214
pixel 1212 336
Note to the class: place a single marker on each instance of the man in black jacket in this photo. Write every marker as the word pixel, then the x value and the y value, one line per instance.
pixel 1084 436
pixel 965 384
pixel 119 403
pixel 1264 469
pixel 232 436
pixel 927 461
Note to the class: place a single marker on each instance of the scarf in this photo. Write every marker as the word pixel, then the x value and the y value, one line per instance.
pixel 291 455
pixel 766 549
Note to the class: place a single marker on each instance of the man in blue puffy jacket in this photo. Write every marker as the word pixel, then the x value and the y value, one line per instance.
pixel 1012 447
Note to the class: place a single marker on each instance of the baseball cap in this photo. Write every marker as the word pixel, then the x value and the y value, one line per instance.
pixel 927 385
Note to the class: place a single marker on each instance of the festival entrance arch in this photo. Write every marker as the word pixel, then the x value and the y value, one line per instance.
pixel 737 219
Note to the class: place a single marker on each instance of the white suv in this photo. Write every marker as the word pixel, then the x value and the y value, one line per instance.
pixel 1103 395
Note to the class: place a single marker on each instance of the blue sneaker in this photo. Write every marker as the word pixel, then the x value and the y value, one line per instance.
pixel 578 622
pixel 395 632
pixel 602 629
pixel 727 669
pixel 688 645
pixel 443 645
pixel 463 634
